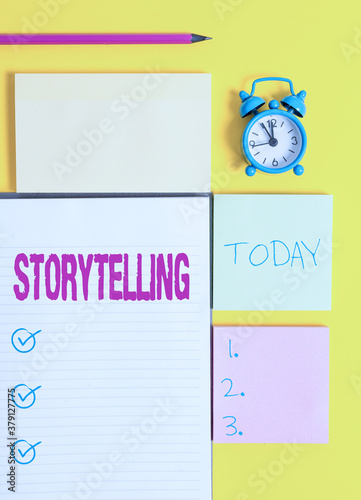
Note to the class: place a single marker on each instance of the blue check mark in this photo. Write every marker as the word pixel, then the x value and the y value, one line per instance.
pixel 25 394
pixel 27 453
pixel 23 340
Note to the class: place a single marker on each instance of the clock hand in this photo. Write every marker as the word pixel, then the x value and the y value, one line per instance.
pixel 272 130
pixel 261 144
pixel 269 135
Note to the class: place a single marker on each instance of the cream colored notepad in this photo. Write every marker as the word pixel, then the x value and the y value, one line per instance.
pixel 145 132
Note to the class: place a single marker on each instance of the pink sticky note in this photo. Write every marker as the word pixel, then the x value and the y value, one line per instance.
pixel 270 384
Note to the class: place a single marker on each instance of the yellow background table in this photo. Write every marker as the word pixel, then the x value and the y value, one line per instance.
pixel 318 46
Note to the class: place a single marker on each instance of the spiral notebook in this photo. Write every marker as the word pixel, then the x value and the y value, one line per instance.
pixel 105 348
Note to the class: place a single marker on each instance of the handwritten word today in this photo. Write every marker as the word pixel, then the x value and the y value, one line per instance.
pixel 153 278
pixel 278 252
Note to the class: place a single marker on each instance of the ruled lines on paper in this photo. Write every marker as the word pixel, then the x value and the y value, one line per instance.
pixel 112 397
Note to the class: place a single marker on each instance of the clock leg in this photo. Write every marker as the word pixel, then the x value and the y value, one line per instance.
pixel 250 171
pixel 298 169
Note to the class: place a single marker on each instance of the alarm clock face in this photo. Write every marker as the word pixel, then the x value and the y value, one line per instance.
pixel 274 141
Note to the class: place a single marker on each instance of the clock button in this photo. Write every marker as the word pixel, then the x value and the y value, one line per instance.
pixel 274 104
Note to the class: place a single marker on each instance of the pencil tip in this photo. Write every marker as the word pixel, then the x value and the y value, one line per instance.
pixel 199 38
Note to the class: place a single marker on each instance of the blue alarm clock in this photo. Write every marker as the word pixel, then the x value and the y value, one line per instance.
pixel 274 140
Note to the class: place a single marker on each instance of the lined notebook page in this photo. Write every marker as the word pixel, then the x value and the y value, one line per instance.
pixel 105 366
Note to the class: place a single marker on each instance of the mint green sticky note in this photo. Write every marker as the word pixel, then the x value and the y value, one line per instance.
pixel 272 252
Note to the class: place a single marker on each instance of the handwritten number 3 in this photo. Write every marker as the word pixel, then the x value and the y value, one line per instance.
pixel 232 426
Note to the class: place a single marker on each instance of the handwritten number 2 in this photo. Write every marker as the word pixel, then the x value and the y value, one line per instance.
pixel 229 390
pixel 232 426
